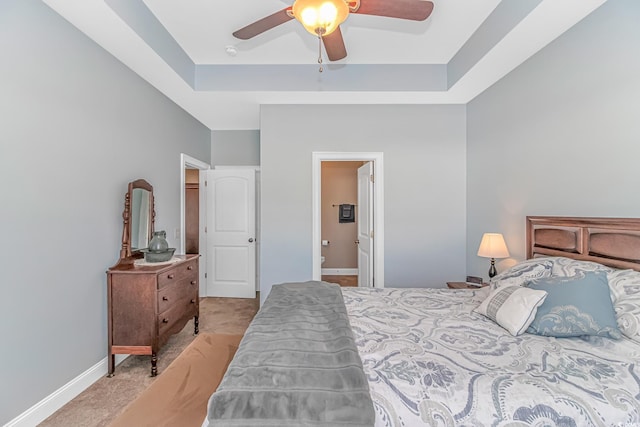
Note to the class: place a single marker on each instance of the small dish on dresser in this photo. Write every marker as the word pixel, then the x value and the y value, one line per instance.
pixel 158 256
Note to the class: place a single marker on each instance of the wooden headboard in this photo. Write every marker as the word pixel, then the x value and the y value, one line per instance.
pixel 610 241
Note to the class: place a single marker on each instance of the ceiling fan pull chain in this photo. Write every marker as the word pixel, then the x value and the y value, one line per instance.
pixel 320 53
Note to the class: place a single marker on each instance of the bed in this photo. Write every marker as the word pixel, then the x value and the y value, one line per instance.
pixel 457 357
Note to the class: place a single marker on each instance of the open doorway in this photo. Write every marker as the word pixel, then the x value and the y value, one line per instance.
pixel 189 168
pixel 192 211
pixel 368 242
pixel 338 206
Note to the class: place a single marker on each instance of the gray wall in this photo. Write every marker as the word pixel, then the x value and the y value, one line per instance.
pixel 424 161
pixel 77 126
pixel 560 135
pixel 235 148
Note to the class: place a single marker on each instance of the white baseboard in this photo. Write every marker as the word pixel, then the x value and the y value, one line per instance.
pixel 340 271
pixel 56 400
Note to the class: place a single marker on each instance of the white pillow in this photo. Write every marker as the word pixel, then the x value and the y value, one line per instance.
pixel 625 292
pixel 567 267
pixel 523 272
pixel 512 307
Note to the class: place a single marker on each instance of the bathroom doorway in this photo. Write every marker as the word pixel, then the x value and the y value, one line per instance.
pixel 348 218
pixel 338 206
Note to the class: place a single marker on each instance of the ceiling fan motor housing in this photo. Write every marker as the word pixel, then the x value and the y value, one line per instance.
pixel 320 17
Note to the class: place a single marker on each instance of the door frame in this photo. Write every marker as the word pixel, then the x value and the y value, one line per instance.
pixel 188 162
pixel 376 158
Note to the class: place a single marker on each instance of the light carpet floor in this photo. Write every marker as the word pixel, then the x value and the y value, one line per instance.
pixel 344 281
pixel 99 404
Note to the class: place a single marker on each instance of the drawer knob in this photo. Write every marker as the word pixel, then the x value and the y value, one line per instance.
pixel 193 282
pixel 193 301
pixel 170 276
pixel 165 299
pixel 190 267
pixel 165 320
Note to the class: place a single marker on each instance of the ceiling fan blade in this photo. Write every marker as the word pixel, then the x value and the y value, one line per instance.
pixel 264 24
pixel 415 10
pixel 334 45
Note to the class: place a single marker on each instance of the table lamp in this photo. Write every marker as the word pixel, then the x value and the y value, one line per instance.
pixel 493 246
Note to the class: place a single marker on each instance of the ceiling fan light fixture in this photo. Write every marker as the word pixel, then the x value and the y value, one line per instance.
pixel 320 17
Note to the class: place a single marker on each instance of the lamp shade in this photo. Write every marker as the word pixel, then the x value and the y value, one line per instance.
pixel 320 17
pixel 493 246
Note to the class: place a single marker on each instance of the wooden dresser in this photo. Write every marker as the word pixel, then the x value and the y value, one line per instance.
pixel 149 303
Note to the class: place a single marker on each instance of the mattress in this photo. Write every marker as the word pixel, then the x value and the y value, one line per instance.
pixel 430 360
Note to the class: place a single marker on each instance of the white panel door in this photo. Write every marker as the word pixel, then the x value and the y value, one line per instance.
pixel 231 225
pixel 364 222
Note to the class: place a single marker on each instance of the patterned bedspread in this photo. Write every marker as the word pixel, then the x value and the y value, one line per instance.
pixel 431 360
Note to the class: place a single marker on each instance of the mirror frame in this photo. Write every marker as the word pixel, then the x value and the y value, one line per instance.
pixel 126 251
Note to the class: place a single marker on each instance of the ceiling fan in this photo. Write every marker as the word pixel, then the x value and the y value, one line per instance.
pixel 322 18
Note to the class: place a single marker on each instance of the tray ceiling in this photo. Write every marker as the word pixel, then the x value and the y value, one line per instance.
pixel 182 47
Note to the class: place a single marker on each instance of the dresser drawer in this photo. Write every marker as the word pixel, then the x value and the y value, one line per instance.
pixel 171 294
pixel 179 312
pixel 182 271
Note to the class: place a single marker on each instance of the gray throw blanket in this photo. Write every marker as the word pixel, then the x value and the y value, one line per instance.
pixel 297 365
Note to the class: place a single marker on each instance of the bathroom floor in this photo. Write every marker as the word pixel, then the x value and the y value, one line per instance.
pixel 345 281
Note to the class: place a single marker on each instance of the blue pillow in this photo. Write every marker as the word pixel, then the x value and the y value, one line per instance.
pixel 575 306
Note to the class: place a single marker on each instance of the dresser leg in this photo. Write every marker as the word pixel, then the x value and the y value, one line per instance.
pixel 112 364
pixel 154 362
pixel 195 325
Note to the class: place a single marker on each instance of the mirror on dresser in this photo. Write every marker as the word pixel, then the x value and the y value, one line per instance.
pixel 138 219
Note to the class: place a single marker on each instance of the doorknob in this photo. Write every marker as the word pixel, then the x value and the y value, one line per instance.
pixel 357 242
pixel 250 239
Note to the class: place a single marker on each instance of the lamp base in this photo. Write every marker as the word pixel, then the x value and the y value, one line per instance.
pixel 492 269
